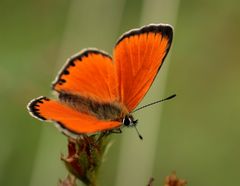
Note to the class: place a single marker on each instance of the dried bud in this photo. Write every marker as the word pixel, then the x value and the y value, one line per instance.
pixel 68 181
pixel 85 156
pixel 150 182
pixel 173 180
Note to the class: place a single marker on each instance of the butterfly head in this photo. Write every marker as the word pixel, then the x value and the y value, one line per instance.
pixel 129 121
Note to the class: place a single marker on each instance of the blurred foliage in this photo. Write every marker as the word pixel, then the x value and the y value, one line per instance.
pixel 197 133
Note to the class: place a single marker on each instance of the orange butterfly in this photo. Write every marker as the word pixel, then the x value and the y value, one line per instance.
pixel 97 92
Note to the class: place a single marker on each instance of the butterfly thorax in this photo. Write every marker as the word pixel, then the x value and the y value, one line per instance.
pixel 109 111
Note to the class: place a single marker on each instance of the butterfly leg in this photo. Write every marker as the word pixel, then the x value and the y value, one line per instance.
pixel 117 131
pixel 106 133
pixel 100 137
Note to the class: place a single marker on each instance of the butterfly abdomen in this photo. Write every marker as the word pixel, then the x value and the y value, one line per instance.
pixel 102 111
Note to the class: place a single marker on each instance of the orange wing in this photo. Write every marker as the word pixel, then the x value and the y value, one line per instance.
pixel 138 56
pixel 67 118
pixel 90 73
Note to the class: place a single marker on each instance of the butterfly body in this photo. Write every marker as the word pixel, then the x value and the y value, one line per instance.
pixel 102 111
pixel 97 92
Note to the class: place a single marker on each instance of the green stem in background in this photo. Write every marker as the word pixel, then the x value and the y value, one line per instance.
pixel 85 155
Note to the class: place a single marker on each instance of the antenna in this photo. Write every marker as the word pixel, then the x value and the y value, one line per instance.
pixel 153 103
pixel 139 135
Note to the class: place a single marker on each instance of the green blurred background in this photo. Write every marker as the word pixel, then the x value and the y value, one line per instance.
pixel 197 134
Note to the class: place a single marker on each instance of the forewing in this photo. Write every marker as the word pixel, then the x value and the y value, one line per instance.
pixel 138 56
pixel 90 73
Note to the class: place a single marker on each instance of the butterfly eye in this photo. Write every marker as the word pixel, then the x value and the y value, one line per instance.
pixel 127 121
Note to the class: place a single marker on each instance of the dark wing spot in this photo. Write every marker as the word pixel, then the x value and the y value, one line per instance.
pixel 62 80
pixel 66 72
pixel 71 63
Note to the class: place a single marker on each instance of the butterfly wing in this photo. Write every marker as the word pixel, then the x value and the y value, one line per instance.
pixel 138 56
pixel 86 86
pixel 90 73
pixel 68 119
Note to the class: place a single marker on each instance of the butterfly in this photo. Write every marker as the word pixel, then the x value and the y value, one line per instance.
pixel 97 92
